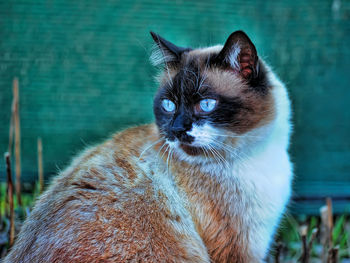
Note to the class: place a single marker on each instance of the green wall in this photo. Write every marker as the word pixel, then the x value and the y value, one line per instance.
pixel 84 73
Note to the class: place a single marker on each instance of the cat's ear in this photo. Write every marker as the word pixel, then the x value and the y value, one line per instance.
pixel 165 51
pixel 239 54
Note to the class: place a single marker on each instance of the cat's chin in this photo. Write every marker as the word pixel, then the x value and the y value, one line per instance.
pixel 191 150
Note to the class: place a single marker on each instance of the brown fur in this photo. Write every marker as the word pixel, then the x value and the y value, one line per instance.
pixel 81 218
pixel 223 235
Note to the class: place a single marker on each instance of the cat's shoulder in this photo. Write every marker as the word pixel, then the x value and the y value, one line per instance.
pixel 114 160
pixel 104 175
pixel 108 169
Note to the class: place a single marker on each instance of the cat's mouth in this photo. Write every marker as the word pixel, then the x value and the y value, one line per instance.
pixel 190 150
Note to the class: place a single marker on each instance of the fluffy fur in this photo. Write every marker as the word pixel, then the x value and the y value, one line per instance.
pixel 195 187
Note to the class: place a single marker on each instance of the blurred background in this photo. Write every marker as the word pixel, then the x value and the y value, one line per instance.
pixel 83 70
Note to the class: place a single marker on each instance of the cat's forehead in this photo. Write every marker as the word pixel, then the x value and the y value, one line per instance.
pixel 201 55
pixel 195 73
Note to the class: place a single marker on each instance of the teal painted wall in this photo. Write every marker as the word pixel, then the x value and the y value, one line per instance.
pixel 84 73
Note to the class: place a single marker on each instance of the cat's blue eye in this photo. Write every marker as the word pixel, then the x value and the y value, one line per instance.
pixel 207 105
pixel 168 105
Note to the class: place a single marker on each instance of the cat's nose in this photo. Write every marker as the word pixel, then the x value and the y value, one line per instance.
pixel 181 124
pixel 180 132
pixel 178 129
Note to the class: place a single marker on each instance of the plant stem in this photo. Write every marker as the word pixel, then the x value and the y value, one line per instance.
pixel 17 140
pixel 40 165
pixel 10 197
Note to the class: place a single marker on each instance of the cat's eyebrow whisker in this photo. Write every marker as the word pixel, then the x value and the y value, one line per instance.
pixel 169 88
pixel 207 64
pixel 190 71
pixel 197 77
pixel 165 65
pixel 204 77
pixel 168 73
pixel 192 82
pixel 169 77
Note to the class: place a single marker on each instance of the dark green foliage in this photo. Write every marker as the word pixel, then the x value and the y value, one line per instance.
pixel 289 237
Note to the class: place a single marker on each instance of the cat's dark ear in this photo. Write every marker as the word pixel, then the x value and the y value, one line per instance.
pixel 165 51
pixel 239 54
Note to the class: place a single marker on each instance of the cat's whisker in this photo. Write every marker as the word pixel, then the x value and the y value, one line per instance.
pixel 167 159
pixel 225 145
pixel 204 151
pixel 165 151
pixel 170 159
pixel 149 147
pixel 216 157
pixel 222 158
pixel 237 136
pixel 236 155
pixel 212 154
pixel 229 135
pixel 159 161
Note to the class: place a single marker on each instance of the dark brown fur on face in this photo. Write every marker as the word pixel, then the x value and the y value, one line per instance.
pixel 241 90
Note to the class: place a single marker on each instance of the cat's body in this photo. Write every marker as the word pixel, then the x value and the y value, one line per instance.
pixel 144 196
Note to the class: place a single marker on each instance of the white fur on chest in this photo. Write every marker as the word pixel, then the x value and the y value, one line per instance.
pixel 265 184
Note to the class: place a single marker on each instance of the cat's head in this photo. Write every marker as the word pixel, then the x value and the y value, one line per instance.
pixel 210 98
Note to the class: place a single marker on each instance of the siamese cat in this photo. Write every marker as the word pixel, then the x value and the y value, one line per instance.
pixel 208 182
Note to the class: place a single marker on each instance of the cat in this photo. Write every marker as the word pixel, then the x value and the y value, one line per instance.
pixel 208 182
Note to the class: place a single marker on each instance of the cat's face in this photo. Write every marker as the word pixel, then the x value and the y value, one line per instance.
pixel 209 98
